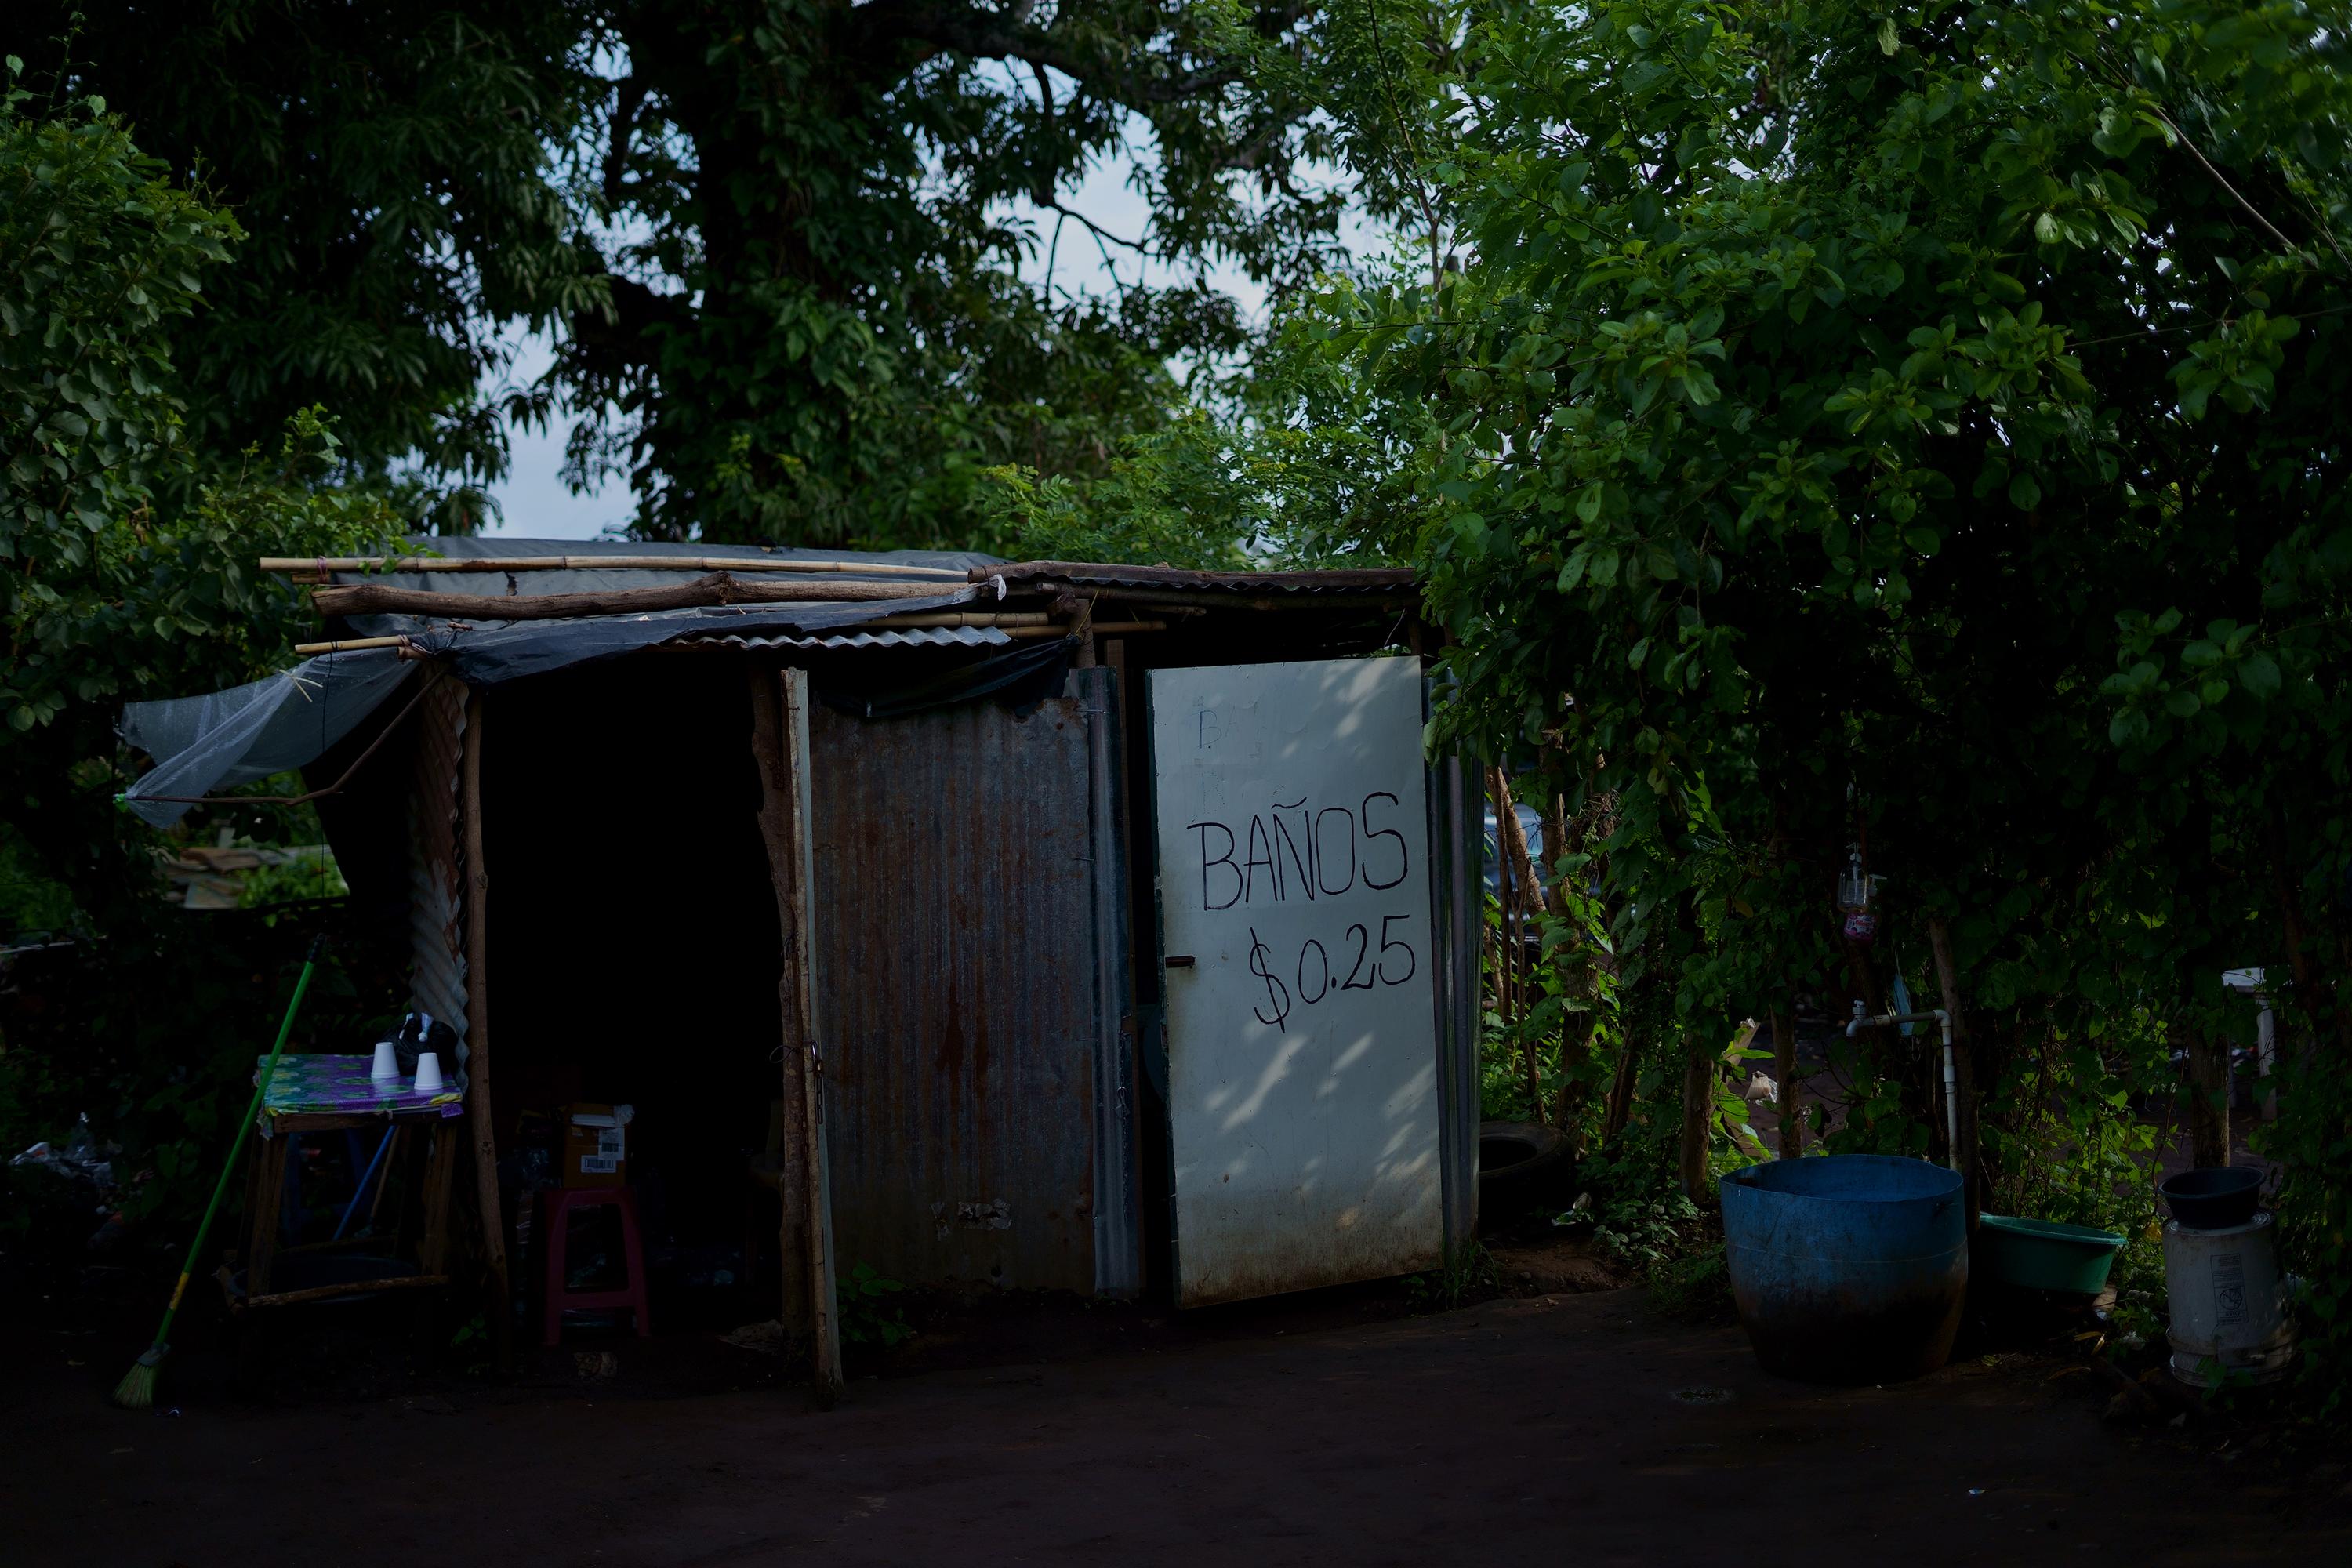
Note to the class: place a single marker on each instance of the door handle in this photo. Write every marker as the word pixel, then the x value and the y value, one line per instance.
pixel 1178 961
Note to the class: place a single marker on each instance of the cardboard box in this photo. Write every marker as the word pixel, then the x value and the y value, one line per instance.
pixel 596 1145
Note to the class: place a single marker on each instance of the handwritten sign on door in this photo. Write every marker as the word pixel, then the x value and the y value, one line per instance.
pixel 1302 1040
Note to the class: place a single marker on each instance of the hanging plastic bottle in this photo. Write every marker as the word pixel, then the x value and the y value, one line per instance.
pixel 1853 883
pixel 1853 898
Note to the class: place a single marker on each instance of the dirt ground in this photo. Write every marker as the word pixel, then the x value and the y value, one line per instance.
pixel 1543 1428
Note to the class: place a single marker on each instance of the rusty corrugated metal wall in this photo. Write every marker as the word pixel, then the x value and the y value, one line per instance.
pixel 436 931
pixel 961 950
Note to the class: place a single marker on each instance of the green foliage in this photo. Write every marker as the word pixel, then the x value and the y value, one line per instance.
pixel 1630 1204
pixel 126 568
pixel 126 556
pixel 1920 429
pixel 868 1316
pixel 779 241
pixel 1466 1276
pixel 399 177
pixel 1150 506
pixel 1570 1019
pixel 152 1029
pixel 1295 461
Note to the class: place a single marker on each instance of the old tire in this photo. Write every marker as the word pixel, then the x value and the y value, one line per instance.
pixel 1520 1165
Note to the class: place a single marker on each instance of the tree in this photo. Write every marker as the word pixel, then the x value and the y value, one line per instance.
pixel 398 175
pixel 1919 429
pixel 822 336
pixel 126 548
pixel 777 239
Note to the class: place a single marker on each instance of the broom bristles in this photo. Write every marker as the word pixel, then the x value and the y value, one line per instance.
pixel 137 1389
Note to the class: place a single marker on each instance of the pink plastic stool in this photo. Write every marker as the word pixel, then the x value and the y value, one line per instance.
pixel 555 1224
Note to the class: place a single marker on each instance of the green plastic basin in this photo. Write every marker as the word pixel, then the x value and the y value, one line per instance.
pixel 2038 1255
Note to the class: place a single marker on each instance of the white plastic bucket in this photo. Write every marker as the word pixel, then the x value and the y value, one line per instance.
pixel 2228 1303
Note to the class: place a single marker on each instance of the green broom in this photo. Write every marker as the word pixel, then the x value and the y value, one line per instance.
pixel 137 1389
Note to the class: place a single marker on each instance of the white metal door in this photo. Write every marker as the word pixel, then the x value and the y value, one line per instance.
pixel 1295 910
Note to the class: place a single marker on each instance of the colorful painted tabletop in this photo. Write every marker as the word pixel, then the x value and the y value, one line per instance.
pixel 339 1086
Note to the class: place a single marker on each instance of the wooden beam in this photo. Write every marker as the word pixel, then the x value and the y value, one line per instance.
pixel 717 588
pixel 331 1292
pixel 824 1353
pixel 477 1038
pixel 605 564
pixel 810 1318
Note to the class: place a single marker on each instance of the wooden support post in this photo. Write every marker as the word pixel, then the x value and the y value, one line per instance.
pixel 810 1317
pixel 1784 1065
pixel 269 1162
pixel 440 1169
pixel 501 1300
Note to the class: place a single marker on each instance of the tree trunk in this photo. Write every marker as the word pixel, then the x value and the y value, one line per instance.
pixel 2208 1100
pixel 1555 837
pixel 1520 898
pixel 1518 865
pixel 1621 1098
pixel 1698 1106
pixel 1784 1063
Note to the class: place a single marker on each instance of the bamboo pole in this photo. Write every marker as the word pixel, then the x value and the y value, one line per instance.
pixel 478 1038
pixel 1102 629
pixel 1350 602
pixel 957 618
pixel 347 645
pixel 604 563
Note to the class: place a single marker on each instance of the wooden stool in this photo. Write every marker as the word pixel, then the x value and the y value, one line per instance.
pixel 555 1229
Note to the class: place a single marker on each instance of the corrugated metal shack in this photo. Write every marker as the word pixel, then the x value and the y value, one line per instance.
pixel 849 856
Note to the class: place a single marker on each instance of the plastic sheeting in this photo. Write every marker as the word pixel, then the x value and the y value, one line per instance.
pixel 204 744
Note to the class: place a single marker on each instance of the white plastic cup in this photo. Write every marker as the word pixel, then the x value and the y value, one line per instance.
pixel 428 1073
pixel 387 1062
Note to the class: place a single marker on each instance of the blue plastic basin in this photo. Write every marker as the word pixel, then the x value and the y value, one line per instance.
pixel 1847 1268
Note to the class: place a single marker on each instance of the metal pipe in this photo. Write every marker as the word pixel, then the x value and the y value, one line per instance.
pixel 1951 1073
